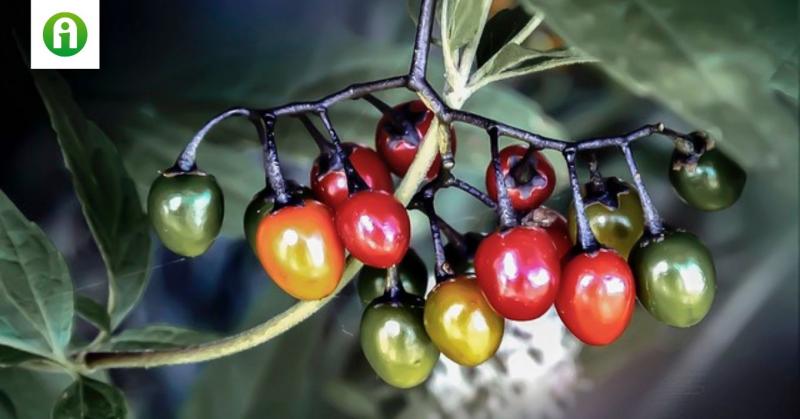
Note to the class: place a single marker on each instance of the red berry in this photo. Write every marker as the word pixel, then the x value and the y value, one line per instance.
pixel 328 180
pixel 529 184
pixel 398 145
pixel 597 296
pixel 300 250
pixel 518 271
pixel 374 228
pixel 556 226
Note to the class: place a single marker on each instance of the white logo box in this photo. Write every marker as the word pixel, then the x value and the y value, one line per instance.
pixel 88 57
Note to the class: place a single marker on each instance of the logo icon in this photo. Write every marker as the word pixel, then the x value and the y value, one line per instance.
pixel 65 34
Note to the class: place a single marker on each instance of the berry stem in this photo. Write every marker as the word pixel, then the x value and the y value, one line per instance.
pixel 324 146
pixel 272 165
pixel 505 211
pixel 393 287
pixel 187 160
pixel 475 192
pixel 652 219
pixel 354 181
pixel 586 239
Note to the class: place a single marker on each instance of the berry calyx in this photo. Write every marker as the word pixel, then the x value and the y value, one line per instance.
pixel 186 210
pixel 329 181
pixel 596 297
pixel 262 204
pixel 529 177
pixel 614 212
pixel 707 180
pixel 374 228
pixel 518 271
pixel 461 322
pixel 556 226
pixel 411 272
pixel 400 133
pixel 300 250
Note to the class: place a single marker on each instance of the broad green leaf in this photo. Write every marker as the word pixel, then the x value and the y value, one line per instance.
pixel 499 31
pixel 465 20
pixel 10 356
pixel 7 409
pixel 93 313
pixel 713 62
pixel 32 393
pixel 36 298
pixel 108 196
pixel 156 337
pixel 514 60
pixel 90 399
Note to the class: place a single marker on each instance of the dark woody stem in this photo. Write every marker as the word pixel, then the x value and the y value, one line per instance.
pixel 505 211
pixel 354 181
pixel 475 192
pixel 652 219
pixel 453 236
pixel 586 240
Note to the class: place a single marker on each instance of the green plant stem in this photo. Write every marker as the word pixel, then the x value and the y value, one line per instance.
pixel 280 323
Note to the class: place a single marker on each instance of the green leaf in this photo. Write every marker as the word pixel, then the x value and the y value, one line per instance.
pixel 10 356
pixel 35 289
pixel 90 399
pixel 514 60
pixel 7 410
pixel 156 337
pixel 499 31
pixel 713 62
pixel 465 20
pixel 93 313
pixel 33 393
pixel 108 196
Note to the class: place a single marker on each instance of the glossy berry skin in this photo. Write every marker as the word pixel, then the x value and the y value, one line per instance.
pixel 300 250
pixel 530 188
pixel 461 322
pixel 675 277
pixel 262 204
pixel 714 183
pixel 374 227
pixel 556 226
pixel 186 210
pixel 412 272
pixel 518 271
pixel 616 228
pixel 596 297
pixel 395 343
pixel 330 183
pixel 397 146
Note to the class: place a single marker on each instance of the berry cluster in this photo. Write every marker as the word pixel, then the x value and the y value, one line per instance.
pixel 592 265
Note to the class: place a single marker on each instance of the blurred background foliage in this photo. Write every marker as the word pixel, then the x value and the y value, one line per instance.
pixel 729 67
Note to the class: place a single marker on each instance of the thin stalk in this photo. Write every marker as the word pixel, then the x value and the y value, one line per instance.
pixel 652 219
pixel 505 211
pixel 586 239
